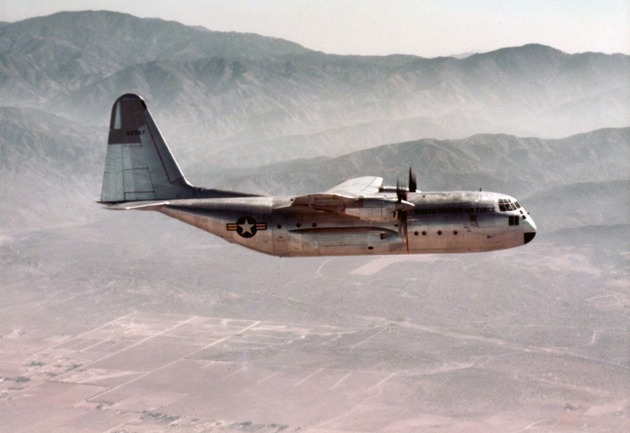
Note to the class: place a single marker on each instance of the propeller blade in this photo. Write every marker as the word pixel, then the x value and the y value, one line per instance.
pixel 401 191
pixel 402 223
pixel 413 186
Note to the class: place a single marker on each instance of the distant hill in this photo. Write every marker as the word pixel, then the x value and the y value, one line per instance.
pixel 50 169
pixel 524 166
pixel 30 139
pixel 604 203
pixel 46 56
pixel 246 100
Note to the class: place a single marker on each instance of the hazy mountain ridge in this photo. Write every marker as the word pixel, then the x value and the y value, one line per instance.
pixel 31 136
pixel 524 165
pixel 126 39
pixel 220 106
pixel 244 99
pixel 50 167
pixel 72 49
pixel 602 203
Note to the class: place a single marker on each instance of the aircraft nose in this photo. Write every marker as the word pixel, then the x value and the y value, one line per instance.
pixel 528 236
pixel 530 232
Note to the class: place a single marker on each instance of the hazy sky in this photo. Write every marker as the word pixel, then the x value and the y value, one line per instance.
pixel 426 28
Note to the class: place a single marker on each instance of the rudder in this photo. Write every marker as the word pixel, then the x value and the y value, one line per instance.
pixel 139 164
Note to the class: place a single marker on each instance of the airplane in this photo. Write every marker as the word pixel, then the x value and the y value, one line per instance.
pixel 358 217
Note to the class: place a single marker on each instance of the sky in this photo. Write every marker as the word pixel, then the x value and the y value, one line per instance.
pixel 427 28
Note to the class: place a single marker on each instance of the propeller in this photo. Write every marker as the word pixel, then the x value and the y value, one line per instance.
pixel 401 208
pixel 402 193
pixel 413 185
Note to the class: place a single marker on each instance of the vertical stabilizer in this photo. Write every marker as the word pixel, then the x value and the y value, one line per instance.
pixel 139 164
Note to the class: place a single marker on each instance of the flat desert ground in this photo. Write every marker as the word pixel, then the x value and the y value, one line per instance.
pixel 159 327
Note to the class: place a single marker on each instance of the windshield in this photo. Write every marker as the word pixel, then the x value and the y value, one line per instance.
pixel 505 204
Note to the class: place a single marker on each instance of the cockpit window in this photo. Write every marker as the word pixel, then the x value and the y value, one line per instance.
pixel 507 205
pixel 503 205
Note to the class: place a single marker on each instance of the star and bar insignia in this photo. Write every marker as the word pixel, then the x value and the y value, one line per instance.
pixel 246 226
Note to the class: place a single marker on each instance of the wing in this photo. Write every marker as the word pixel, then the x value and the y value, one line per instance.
pixel 337 199
pixel 357 187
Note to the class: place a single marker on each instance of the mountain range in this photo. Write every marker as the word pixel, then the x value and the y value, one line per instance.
pixel 265 115
pixel 247 100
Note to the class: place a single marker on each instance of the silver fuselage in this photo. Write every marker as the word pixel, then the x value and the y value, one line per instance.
pixel 357 217
pixel 438 222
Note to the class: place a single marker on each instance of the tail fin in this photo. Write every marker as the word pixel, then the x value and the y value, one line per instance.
pixel 139 164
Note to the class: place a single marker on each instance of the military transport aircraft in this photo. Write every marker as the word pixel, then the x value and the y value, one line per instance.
pixel 359 216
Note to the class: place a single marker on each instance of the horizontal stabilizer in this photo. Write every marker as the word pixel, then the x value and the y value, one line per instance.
pixel 138 205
